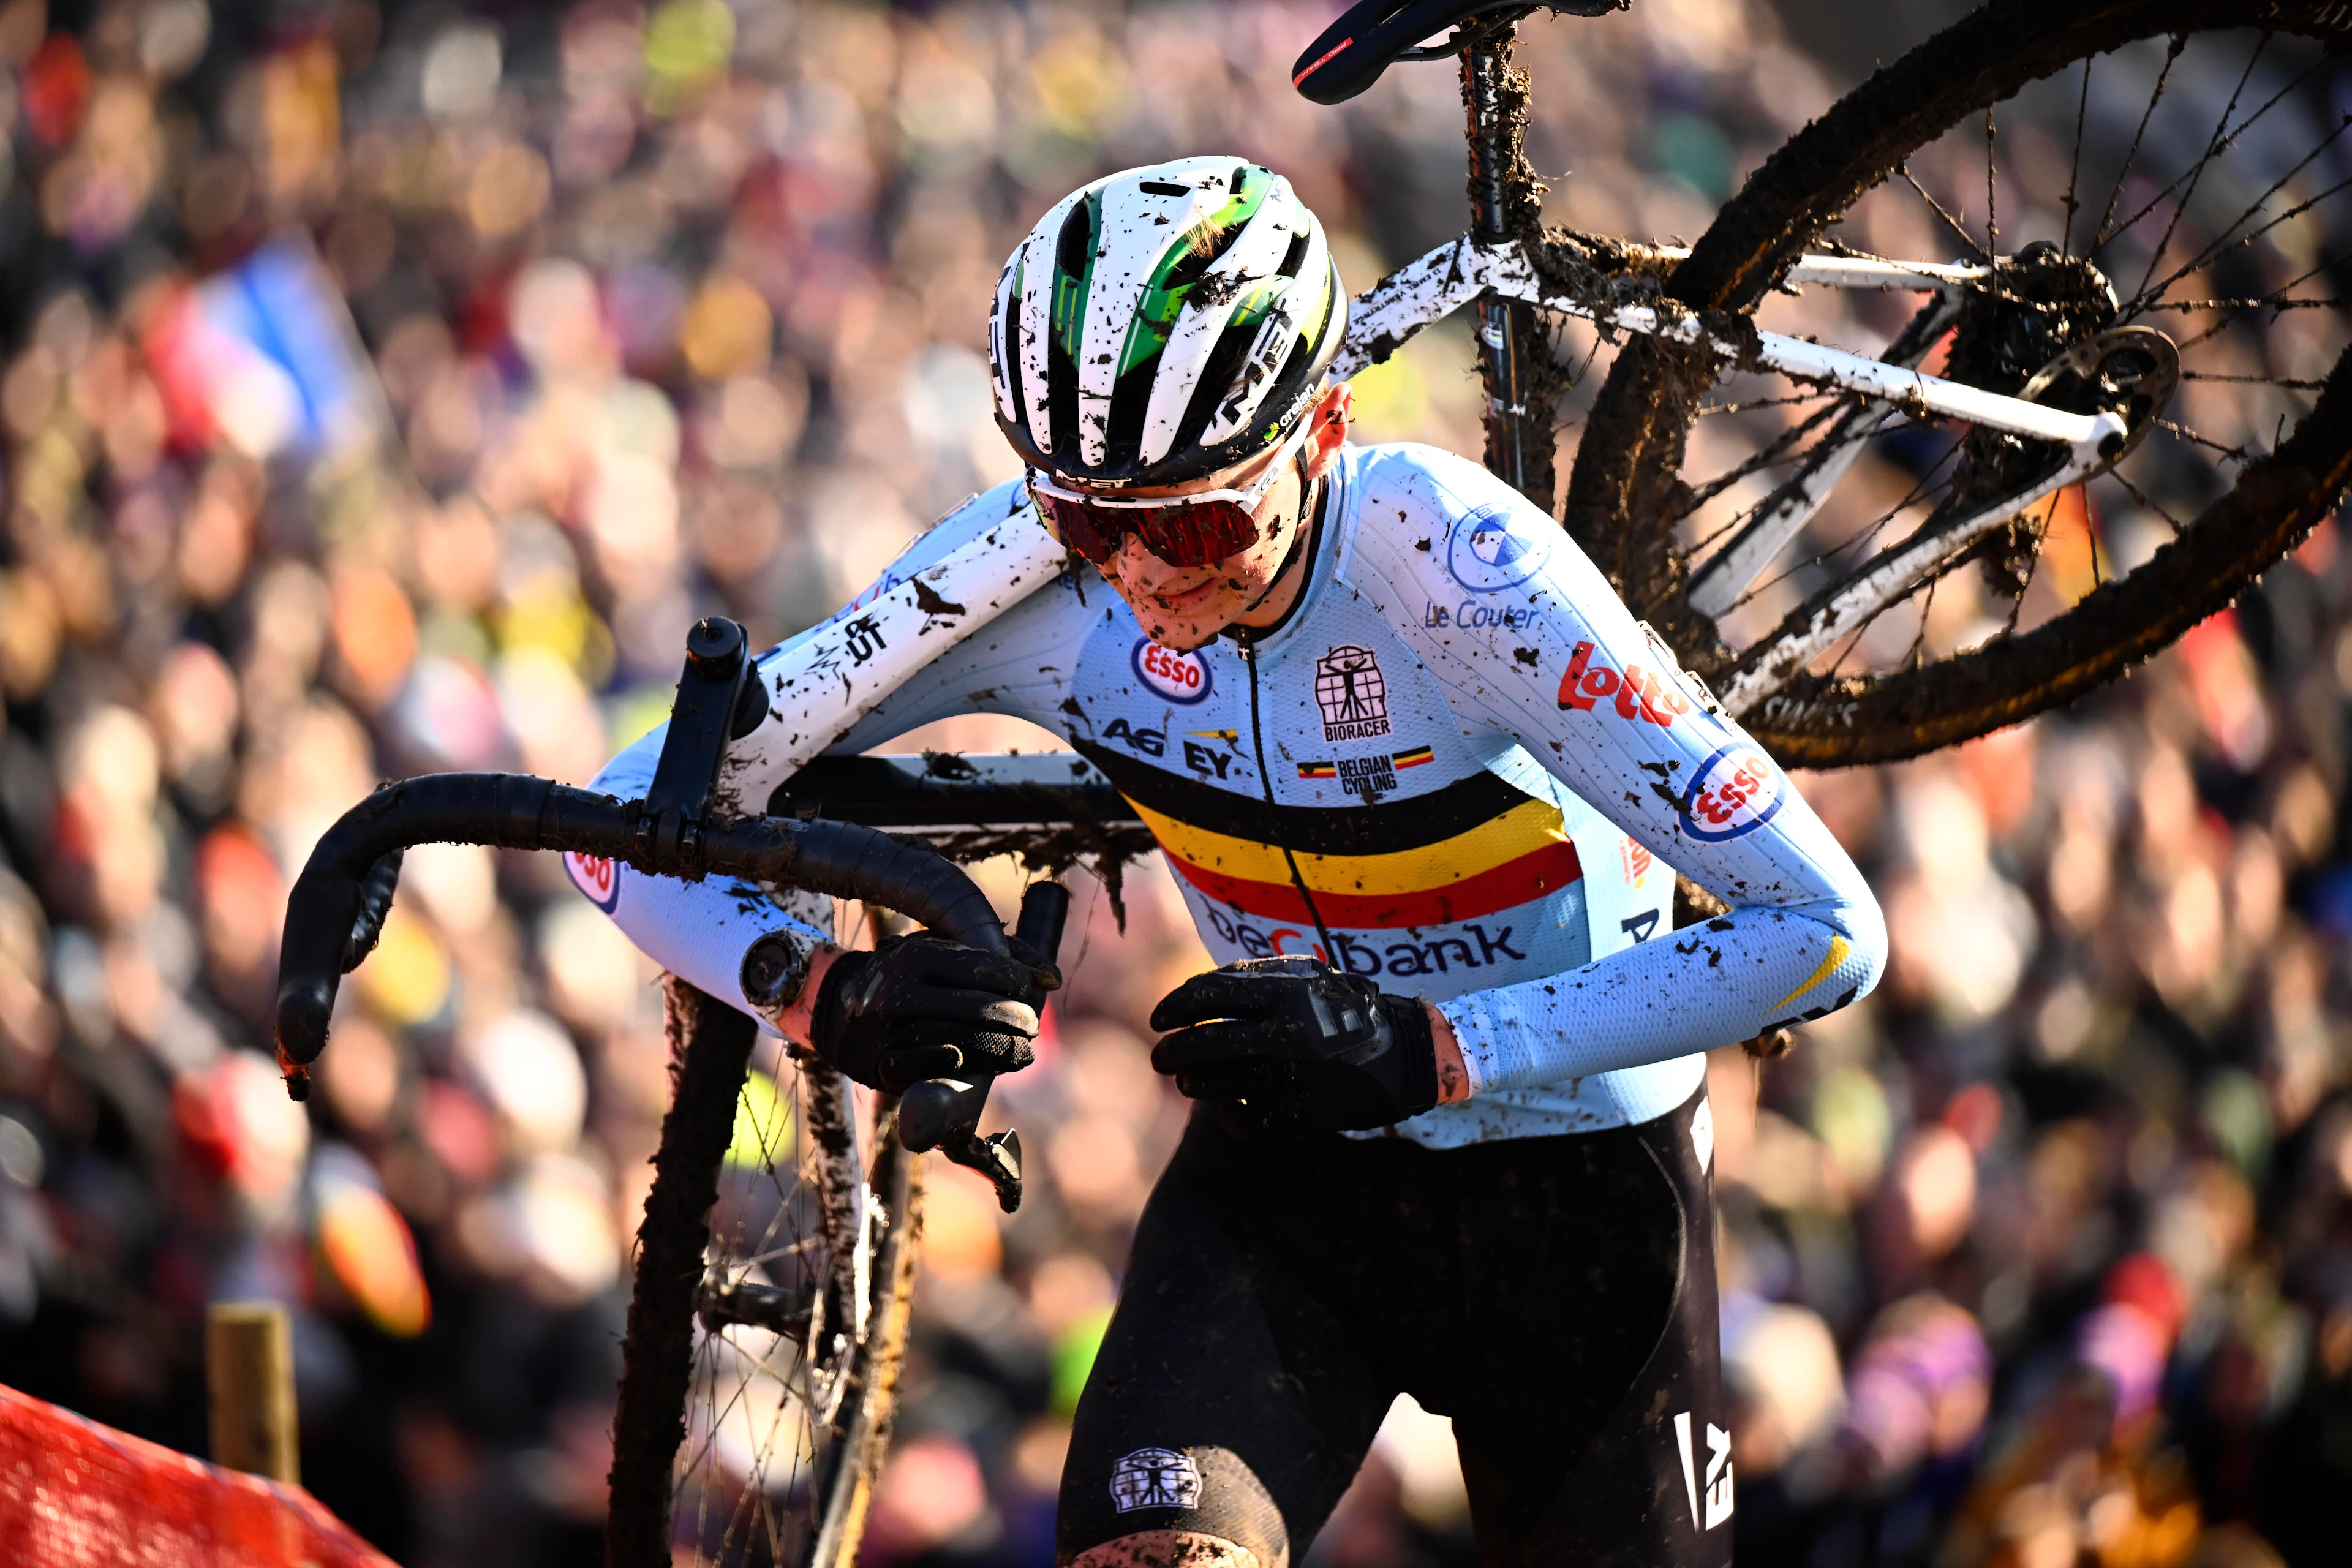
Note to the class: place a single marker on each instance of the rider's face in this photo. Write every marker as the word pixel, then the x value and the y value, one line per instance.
pixel 1184 608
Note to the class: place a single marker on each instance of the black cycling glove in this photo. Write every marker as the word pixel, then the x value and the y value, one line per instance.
pixel 1288 1045
pixel 921 1006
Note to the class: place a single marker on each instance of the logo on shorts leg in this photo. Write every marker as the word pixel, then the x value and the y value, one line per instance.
pixel 1155 1478
pixel 1717 1482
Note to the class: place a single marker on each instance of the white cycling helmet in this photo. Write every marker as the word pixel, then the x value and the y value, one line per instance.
pixel 1163 323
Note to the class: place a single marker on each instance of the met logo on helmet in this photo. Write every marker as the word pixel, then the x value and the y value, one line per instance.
pixel 1178 676
pixel 1492 549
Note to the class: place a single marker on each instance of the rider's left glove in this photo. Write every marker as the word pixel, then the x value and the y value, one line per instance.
pixel 921 1006
pixel 1288 1045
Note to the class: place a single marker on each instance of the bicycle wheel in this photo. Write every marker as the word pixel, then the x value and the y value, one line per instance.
pixel 769 1316
pixel 2164 186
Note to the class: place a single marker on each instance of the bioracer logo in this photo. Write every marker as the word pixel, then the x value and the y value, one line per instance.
pixel 1640 693
pixel 1353 696
pixel 1178 676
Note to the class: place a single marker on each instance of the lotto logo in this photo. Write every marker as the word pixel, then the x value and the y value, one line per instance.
pixel 596 877
pixel 1640 693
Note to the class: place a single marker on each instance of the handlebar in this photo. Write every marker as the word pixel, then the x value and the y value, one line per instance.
pixel 338 904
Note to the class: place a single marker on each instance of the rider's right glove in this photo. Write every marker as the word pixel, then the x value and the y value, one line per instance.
pixel 1287 1047
pixel 921 1006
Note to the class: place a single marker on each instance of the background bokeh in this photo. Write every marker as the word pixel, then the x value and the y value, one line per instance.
pixel 386 387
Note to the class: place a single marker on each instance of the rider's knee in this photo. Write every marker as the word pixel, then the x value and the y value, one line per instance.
pixel 1169 1549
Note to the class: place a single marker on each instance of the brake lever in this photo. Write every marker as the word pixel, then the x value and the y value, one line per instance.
pixel 943 1113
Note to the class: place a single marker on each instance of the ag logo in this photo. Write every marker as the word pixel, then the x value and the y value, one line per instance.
pixel 1178 677
pixel 1493 549
pixel 596 877
pixel 1734 791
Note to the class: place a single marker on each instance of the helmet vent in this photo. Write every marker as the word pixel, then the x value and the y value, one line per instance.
pixel 1163 188
pixel 1295 257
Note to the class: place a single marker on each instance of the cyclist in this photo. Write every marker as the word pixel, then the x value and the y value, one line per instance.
pixel 1420 777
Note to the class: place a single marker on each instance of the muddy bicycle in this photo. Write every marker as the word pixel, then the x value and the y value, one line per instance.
pixel 2014 365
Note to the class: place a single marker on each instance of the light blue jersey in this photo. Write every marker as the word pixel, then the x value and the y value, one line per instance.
pixel 1458 767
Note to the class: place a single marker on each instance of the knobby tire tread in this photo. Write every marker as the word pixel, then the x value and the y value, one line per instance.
pixel 710 1051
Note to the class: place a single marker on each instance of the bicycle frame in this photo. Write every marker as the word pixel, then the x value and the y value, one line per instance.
pixel 1424 290
pixel 1421 291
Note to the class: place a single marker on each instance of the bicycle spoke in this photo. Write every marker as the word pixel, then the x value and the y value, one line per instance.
pixel 2213 145
pixel 2139 498
pixel 1759 403
pixel 2216 250
pixel 2235 454
pixel 2299 385
pixel 2243 127
pixel 1858 548
pixel 2179 42
pixel 1965 237
pixel 1770 453
pixel 1992 206
pixel 2074 170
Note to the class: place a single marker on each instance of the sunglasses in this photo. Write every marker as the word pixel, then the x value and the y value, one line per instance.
pixel 1184 531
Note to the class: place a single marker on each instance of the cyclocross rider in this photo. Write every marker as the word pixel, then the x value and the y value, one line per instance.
pixel 1420 777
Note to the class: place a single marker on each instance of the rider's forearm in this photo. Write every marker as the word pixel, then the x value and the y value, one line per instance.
pixel 698 931
pixel 1693 990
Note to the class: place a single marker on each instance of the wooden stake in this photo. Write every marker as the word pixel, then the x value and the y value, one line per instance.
pixel 249 1367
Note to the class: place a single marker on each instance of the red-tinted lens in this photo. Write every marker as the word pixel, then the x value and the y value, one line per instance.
pixel 1179 535
pixel 1196 535
pixel 1074 521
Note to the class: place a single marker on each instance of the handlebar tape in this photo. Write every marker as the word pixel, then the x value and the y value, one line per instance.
pixel 338 901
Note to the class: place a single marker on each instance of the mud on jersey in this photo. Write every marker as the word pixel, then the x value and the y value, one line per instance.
pixel 1458 767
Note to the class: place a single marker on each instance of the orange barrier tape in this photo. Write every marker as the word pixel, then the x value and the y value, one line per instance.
pixel 74 1494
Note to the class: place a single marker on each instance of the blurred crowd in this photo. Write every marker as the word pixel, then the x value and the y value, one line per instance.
pixel 387 387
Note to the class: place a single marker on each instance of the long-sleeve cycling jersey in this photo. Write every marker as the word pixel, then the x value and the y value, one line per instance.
pixel 1458 766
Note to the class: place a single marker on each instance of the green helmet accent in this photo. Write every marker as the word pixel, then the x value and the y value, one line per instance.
pixel 1163 323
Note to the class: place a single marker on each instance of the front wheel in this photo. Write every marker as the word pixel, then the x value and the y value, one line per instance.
pixel 769 1311
pixel 2173 167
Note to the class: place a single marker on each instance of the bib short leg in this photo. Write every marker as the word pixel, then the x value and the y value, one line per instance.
pixel 1555 1297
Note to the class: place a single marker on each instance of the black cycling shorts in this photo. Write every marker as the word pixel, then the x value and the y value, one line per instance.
pixel 1554 1296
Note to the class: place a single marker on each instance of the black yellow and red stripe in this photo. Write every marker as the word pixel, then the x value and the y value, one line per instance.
pixel 1466 850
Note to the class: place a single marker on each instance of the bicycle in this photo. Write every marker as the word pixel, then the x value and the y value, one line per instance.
pixel 1720 519
pixel 764 1342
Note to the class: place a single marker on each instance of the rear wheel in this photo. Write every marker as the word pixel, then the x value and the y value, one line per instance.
pixel 2146 181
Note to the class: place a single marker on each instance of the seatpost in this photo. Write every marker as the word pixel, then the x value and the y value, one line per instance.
pixel 1502 324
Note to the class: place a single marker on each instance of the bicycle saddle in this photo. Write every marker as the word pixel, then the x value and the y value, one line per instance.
pixel 1348 56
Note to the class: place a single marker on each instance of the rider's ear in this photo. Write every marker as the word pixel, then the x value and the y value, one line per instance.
pixel 1330 418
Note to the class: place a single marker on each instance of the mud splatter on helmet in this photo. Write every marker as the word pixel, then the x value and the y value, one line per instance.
pixel 1164 324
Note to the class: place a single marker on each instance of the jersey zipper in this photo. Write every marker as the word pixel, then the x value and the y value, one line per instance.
pixel 1246 644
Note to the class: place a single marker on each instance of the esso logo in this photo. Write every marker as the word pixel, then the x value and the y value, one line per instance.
pixel 596 877
pixel 1734 791
pixel 1494 548
pixel 1178 676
